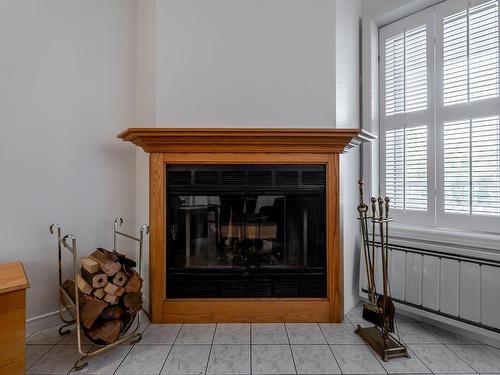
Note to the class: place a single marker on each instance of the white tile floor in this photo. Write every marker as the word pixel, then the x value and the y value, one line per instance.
pixel 266 349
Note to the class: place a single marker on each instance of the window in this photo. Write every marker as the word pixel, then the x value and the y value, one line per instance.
pixel 440 115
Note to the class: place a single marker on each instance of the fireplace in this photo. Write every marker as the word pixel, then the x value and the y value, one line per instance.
pixel 245 223
pixel 245 231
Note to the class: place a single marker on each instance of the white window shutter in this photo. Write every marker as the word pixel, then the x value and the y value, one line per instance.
pixel 472 166
pixel 416 69
pixel 457 167
pixel 416 168
pixel 394 75
pixel 406 168
pixel 406 71
pixel 394 167
pixel 485 159
pixel 470 54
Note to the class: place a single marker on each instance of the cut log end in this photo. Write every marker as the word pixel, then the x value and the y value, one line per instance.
pixel 109 295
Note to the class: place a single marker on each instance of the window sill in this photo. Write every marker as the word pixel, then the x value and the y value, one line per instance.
pixel 483 245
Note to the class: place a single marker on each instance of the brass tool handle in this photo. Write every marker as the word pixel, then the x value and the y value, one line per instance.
pixel 361 194
pixel 381 207
pixel 374 207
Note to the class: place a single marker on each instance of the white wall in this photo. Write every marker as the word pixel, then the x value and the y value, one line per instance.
pixel 245 63
pixel 254 63
pixel 67 89
pixel 347 23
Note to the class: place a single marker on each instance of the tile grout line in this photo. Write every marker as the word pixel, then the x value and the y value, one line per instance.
pixel 330 347
pixel 420 359
pixel 170 350
pixel 251 351
pixel 123 359
pixel 43 355
pixel 459 356
pixel 211 346
pixel 429 331
pixel 132 346
pixel 290 347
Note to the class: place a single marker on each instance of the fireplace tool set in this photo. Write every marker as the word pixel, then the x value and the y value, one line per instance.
pixel 380 309
pixel 71 305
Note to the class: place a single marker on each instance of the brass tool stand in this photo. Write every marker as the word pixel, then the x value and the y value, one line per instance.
pixel 72 307
pixel 381 339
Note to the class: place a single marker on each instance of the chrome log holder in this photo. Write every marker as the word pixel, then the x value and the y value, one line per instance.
pixel 72 306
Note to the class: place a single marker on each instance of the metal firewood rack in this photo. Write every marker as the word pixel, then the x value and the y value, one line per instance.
pixel 72 307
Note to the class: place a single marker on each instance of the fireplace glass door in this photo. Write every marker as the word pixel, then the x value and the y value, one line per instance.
pixel 243 240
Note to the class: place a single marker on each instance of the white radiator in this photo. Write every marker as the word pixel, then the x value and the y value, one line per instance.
pixel 458 287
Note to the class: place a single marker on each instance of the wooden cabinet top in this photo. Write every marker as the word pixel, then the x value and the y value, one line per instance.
pixel 12 277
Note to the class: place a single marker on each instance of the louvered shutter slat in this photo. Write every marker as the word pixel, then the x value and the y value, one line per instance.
pixel 416 168
pixel 470 54
pixel 472 166
pixel 406 72
pixel 406 168
pixel 485 157
pixel 394 167
pixel 456 167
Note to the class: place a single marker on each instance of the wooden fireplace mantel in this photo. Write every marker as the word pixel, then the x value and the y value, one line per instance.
pixel 173 146
pixel 245 140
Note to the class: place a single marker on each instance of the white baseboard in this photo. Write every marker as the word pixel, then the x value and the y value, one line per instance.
pixel 42 322
pixel 350 301
pixel 464 329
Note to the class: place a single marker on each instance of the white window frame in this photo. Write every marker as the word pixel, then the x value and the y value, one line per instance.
pixel 409 119
pixel 457 112
pixel 434 117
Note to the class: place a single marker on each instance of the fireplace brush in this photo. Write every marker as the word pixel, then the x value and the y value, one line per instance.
pixel 71 305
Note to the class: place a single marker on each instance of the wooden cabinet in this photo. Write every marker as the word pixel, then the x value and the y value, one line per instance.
pixel 13 284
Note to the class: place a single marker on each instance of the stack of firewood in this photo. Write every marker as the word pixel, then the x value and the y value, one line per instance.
pixel 109 295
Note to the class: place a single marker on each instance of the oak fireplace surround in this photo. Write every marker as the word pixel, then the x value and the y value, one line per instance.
pixel 235 148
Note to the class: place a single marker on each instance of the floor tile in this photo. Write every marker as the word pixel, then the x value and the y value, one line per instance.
pixel 404 365
pixel 45 336
pixel 160 334
pixel 106 362
pixel 196 334
pixel 185 359
pixel 478 357
pixel 314 359
pixel 269 333
pixel 439 359
pixel 229 359
pixel 356 359
pixel 356 314
pixel 341 333
pixel 414 333
pixel 147 359
pixel 493 349
pixel 70 339
pixel 447 337
pixel 404 319
pixel 232 334
pixel 272 359
pixel 304 333
pixel 35 352
pixel 59 360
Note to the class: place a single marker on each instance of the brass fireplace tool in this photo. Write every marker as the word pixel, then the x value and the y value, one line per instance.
pixel 380 309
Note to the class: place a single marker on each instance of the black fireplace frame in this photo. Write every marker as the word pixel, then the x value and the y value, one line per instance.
pixel 246 281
